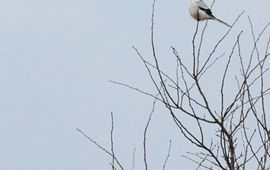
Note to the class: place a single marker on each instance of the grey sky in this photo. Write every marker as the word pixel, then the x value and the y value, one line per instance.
pixel 56 59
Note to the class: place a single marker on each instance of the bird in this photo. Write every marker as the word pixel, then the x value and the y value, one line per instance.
pixel 200 11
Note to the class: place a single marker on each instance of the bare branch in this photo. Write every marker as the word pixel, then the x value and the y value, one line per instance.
pixel 112 148
pixel 101 147
pixel 133 159
pixel 168 155
pixel 145 135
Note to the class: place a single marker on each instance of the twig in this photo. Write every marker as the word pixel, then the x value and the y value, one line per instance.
pixel 133 159
pixel 168 155
pixel 112 148
pixel 100 147
pixel 145 136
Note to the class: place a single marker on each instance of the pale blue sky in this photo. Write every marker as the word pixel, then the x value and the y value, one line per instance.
pixel 56 57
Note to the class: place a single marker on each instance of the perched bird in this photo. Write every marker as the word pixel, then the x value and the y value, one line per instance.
pixel 200 11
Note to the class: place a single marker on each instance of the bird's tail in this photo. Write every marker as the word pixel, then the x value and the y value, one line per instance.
pixel 222 22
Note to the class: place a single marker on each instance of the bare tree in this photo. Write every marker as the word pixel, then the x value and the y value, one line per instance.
pixel 230 133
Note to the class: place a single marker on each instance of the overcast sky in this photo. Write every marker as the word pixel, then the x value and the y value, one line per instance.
pixel 56 58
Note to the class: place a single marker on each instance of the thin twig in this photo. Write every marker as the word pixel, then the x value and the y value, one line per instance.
pixel 112 147
pixel 168 155
pixel 101 147
pixel 133 158
pixel 145 136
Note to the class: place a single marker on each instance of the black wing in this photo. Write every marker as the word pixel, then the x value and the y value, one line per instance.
pixel 207 11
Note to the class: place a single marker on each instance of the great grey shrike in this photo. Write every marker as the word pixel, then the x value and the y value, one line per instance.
pixel 200 11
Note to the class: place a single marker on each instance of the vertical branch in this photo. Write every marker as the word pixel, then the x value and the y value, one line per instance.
pixel 112 148
pixel 267 46
pixel 133 158
pixel 177 82
pixel 194 48
pixel 201 41
pixel 162 81
pixel 168 155
pixel 225 74
pixel 145 136
pixel 200 46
